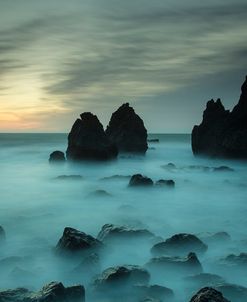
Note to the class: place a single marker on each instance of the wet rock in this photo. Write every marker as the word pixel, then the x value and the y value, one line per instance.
pixel 208 294
pixel 111 232
pixel 223 169
pixel 138 180
pixel 2 234
pixel 87 140
pixel 176 265
pixel 179 244
pixel 223 133
pixel 165 183
pixel 153 292
pixel 77 242
pixel 121 277
pixel 99 194
pixel 233 292
pixel 69 177
pixel 203 280
pixel 57 157
pixel 52 292
pixel 126 129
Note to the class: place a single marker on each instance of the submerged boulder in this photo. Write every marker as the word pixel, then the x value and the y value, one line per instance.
pixel 179 244
pixel 57 157
pixel 139 180
pixel 208 294
pixel 165 183
pixel 176 265
pixel 2 234
pixel 111 232
pixel 223 133
pixel 126 129
pixel 54 291
pixel 76 241
pixel 87 140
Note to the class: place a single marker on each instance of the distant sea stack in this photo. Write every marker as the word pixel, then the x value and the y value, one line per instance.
pixel 126 129
pixel 88 141
pixel 223 133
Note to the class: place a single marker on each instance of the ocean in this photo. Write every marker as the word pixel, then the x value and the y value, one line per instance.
pixel 35 207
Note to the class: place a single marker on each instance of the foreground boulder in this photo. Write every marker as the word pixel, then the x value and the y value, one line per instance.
pixel 77 242
pixel 53 292
pixel 111 232
pixel 208 294
pixel 126 129
pixel 87 140
pixel 223 133
pixel 139 180
pixel 179 244
pixel 57 157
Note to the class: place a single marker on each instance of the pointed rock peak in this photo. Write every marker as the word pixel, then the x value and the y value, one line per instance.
pixel 244 87
pixel 88 116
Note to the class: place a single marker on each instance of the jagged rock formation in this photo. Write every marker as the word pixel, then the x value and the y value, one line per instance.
pixel 53 291
pixel 223 133
pixel 87 140
pixel 208 294
pixel 57 157
pixel 126 129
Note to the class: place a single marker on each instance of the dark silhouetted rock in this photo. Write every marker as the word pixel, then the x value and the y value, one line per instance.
pixel 52 292
pixel 57 157
pixel 76 241
pixel 87 140
pixel 223 169
pixel 122 276
pixel 126 129
pixel 113 232
pixel 179 244
pixel 208 294
pixel 176 265
pixel 138 180
pixel 165 183
pixel 2 234
pixel 153 140
pixel 223 133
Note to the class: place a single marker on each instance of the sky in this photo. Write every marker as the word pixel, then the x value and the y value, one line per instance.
pixel 167 58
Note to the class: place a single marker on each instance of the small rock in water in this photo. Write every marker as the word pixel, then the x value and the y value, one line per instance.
pixel 223 169
pixel 2 234
pixel 69 177
pixel 57 157
pixel 99 193
pixel 165 183
pixel 208 294
pixel 138 180
pixel 52 292
pixel 179 245
pixel 116 177
pixel 76 241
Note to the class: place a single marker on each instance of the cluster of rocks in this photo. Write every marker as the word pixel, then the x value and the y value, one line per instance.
pixel 172 167
pixel 87 139
pixel 222 133
pixel 138 180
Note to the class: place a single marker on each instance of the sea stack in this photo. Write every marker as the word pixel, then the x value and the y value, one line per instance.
pixel 223 133
pixel 126 129
pixel 88 141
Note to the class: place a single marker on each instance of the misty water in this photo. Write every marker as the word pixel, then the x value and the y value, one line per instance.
pixel 35 207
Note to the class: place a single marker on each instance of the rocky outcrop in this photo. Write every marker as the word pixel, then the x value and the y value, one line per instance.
pixel 57 157
pixel 54 291
pixel 87 140
pixel 180 244
pixel 77 242
pixel 223 133
pixel 111 232
pixel 126 129
pixel 208 294
pixel 139 180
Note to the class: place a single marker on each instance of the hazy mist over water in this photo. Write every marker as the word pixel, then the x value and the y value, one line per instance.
pixel 35 207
